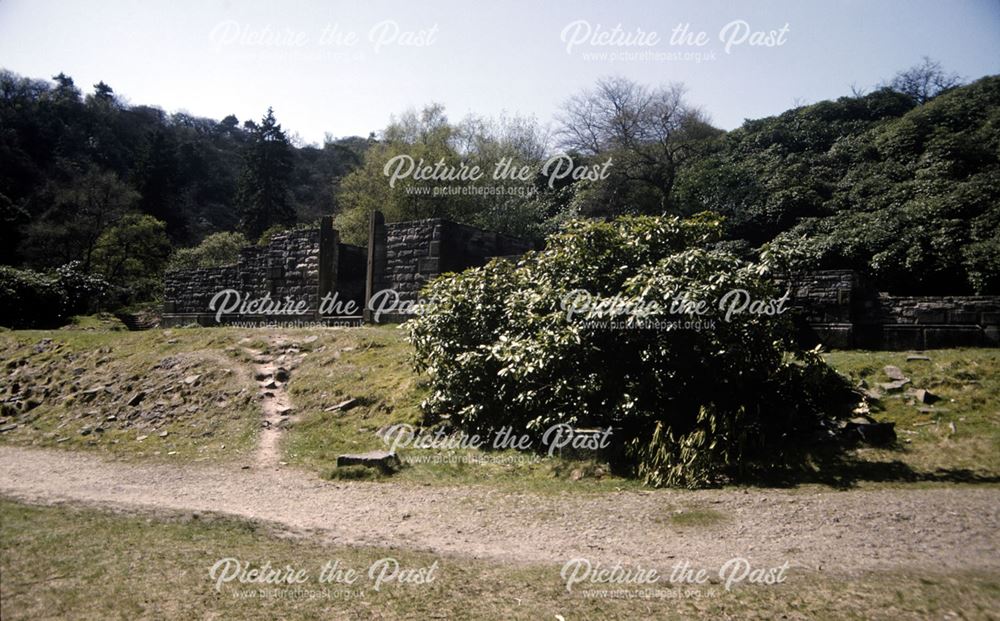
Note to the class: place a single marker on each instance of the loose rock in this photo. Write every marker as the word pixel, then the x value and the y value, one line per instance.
pixel 894 373
pixel 344 405
pixel 384 460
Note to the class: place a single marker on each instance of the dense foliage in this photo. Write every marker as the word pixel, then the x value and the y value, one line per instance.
pixel 901 184
pixel 119 187
pixel 388 179
pixel 907 194
pixel 216 250
pixel 183 170
pixel 30 299
pixel 694 402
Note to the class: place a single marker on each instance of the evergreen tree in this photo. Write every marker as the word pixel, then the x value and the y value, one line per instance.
pixel 156 180
pixel 263 191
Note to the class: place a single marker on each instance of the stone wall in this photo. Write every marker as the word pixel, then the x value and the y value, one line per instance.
pixel 464 246
pixel 408 253
pixel 309 263
pixel 838 309
pixel 301 265
pixel 930 322
pixel 293 266
pixel 833 307
pixel 190 291
pixel 405 255
pixel 826 296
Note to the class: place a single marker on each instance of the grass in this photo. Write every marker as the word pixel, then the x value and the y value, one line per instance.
pixel 367 365
pixel 217 418
pixel 100 321
pixel 960 433
pixel 371 367
pixel 696 517
pixel 87 564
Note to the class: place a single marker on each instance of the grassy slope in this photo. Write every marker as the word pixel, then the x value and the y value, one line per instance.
pixel 968 383
pixel 371 366
pixel 83 380
pixel 84 564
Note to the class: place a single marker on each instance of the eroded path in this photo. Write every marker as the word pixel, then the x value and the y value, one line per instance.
pixel 272 369
pixel 884 529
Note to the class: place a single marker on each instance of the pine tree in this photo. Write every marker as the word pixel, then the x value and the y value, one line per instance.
pixel 263 194
pixel 155 177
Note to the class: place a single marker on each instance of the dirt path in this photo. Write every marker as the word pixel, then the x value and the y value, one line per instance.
pixel 940 528
pixel 272 371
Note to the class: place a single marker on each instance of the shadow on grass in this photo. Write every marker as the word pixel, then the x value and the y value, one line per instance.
pixel 836 468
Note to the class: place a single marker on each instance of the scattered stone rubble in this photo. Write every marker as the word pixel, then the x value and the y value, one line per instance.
pixel 93 394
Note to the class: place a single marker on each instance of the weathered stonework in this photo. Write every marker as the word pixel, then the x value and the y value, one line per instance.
pixel 838 309
pixel 301 265
pixel 833 307
pixel 306 264
pixel 403 256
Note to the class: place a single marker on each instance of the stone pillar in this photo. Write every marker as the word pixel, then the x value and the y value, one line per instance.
pixel 376 258
pixel 329 257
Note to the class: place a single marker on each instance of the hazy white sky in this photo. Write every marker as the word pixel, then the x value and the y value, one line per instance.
pixel 346 67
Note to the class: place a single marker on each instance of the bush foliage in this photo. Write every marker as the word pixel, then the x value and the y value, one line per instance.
pixel 694 404
pixel 30 299
pixel 216 250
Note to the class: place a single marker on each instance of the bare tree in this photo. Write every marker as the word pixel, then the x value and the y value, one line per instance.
pixel 925 81
pixel 649 132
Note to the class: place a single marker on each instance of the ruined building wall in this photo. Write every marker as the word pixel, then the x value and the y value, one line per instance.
pixel 833 307
pixel 300 264
pixel 405 255
pixel 838 309
pixel 305 264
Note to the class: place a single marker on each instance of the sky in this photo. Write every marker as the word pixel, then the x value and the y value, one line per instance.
pixel 345 68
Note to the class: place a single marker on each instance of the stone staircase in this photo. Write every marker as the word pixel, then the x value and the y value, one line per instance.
pixel 136 322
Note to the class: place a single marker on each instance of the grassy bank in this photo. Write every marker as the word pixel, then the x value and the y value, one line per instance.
pixel 957 437
pixel 80 385
pixel 181 394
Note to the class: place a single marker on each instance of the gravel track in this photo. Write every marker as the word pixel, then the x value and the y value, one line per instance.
pixel 943 528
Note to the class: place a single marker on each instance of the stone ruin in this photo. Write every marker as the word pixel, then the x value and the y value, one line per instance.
pixel 838 309
pixel 833 307
pixel 310 264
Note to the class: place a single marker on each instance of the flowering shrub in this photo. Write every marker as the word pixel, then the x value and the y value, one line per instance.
pixel 30 299
pixel 696 391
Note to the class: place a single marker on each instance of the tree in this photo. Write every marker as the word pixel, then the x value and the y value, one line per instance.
pixel 263 190
pixel 215 250
pixel 905 194
pixel 82 210
pixel 426 138
pixel 156 180
pixel 648 132
pixel 65 89
pixel 104 93
pixel 925 81
pixel 132 254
